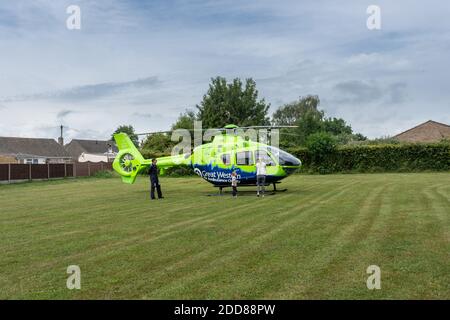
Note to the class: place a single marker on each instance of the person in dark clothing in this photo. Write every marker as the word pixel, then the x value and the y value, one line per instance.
pixel 154 181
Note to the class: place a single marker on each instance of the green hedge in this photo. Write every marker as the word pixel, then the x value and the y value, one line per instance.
pixel 378 158
pixel 362 158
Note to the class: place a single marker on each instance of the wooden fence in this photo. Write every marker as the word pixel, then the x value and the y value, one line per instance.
pixel 22 172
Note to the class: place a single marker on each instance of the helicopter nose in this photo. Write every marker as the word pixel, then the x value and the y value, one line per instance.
pixel 293 165
pixel 290 170
pixel 288 160
pixel 295 162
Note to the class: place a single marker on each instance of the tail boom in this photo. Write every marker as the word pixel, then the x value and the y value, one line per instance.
pixel 129 161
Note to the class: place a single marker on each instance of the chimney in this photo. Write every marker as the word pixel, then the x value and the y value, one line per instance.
pixel 61 139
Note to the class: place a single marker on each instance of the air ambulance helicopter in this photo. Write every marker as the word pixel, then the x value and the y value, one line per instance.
pixel 215 161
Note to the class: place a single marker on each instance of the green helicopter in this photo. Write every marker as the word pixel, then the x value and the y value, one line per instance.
pixel 215 161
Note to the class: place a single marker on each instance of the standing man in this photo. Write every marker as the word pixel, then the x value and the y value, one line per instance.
pixel 261 177
pixel 153 172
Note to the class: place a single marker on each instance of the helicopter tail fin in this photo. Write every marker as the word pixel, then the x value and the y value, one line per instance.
pixel 129 161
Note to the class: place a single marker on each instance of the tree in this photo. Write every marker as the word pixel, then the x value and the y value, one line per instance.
pixel 290 113
pixel 321 144
pixel 158 143
pixel 336 126
pixel 311 122
pixel 161 143
pixel 129 130
pixel 359 137
pixel 305 114
pixel 231 103
pixel 185 120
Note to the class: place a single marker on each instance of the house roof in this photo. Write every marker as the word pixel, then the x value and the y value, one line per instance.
pixel 429 131
pixel 78 146
pixel 32 146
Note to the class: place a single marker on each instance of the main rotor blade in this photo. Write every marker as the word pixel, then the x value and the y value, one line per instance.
pixel 220 129
pixel 267 127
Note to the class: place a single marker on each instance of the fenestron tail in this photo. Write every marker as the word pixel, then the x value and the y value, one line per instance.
pixel 129 161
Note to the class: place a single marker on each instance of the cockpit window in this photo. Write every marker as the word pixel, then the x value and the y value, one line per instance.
pixel 265 157
pixel 284 158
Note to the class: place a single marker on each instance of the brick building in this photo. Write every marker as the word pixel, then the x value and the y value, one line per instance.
pixel 92 150
pixel 430 131
pixel 32 151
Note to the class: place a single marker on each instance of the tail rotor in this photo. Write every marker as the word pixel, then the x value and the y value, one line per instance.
pixel 129 161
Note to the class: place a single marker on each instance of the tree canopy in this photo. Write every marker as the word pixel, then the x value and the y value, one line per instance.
pixel 305 114
pixel 232 103
pixel 129 130
pixel 237 102
pixel 158 142
pixel 185 120
pixel 290 113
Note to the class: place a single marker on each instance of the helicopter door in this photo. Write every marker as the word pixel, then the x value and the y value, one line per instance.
pixel 225 159
pixel 271 165
pixel 245 162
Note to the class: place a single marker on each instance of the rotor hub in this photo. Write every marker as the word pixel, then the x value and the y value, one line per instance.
pixel 126 162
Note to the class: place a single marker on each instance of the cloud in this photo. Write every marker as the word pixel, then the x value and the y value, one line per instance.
pixel 143 115
pixel 101 90
pixel 90 92
pixel 379 62
pixel 357 91
pixel 397 92
pixel 98 77
pixel 64 113
pixel 360 92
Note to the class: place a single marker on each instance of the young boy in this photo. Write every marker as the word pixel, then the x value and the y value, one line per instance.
pixel 234 182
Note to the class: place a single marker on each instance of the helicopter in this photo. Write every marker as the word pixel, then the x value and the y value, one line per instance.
pixel 214 161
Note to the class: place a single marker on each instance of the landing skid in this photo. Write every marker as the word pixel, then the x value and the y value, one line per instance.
pixel 274 191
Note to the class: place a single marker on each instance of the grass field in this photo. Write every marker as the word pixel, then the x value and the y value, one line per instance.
pixel 314 241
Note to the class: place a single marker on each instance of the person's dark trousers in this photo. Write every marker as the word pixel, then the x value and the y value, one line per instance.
pixel 261 184
pixel 155 184
pixel 234 191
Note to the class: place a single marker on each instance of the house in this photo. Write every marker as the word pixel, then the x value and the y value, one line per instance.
pixel 92 150
pixel 32 151
pixel 430 131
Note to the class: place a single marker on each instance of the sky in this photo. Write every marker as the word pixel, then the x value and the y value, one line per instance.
pixel 144 62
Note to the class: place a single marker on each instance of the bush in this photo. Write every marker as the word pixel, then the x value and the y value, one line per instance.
pixel 179 171
pixel 321 145
pixel 377 158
